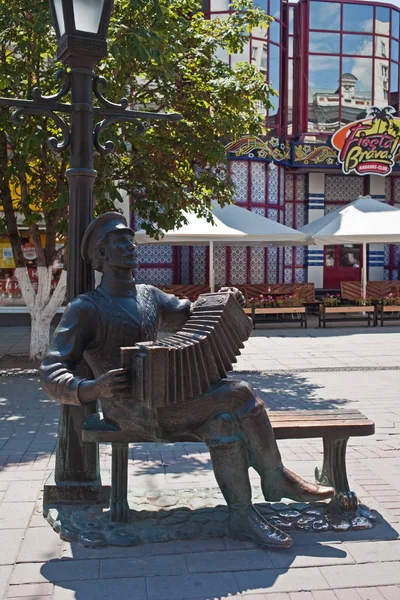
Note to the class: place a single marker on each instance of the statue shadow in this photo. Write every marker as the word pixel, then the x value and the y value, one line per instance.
pixel 289 391
pixel 198 568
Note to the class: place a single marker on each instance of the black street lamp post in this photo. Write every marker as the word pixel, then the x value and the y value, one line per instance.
pixel 81 28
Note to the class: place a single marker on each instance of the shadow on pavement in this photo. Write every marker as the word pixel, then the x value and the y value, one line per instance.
pixel 198 569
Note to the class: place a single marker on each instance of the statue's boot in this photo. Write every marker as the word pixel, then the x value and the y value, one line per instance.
pixel 231 470
pixel 277 482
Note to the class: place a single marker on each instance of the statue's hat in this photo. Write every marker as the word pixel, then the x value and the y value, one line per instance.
pixel 97 231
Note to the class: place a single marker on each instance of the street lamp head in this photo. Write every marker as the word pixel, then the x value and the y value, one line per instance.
pixel 81 28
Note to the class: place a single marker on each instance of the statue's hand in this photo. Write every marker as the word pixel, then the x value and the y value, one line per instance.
pixel 237 294
pixel 111 384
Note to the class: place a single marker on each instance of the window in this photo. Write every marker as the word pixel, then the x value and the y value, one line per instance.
pixel 254 51
pixel 325 15
pixel 384 71
pixel 383 49
pixel 264 56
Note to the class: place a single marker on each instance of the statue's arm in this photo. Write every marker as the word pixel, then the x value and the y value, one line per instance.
pixel 75 333
pixel 173 312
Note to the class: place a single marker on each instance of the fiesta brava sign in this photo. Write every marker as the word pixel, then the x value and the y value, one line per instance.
pixel 369 146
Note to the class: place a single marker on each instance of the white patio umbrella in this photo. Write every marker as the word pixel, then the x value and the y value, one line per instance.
pixel 232 226
pixel 364 221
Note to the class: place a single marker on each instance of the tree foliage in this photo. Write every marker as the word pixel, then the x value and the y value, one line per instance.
pixel 163 56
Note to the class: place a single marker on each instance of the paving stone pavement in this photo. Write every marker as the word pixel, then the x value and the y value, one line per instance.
pixel 290 368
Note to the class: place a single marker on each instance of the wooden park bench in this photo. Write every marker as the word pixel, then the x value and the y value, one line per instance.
pixel 346 313
pixel 282 314
pixel 335 427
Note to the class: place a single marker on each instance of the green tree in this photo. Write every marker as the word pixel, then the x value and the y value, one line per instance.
pixel 163 55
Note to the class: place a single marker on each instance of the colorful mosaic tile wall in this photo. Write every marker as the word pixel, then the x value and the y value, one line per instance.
pixel 269 192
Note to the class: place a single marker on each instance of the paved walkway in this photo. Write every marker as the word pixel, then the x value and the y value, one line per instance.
pixel 291 369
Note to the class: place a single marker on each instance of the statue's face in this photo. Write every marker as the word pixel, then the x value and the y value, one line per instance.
pixel 119 250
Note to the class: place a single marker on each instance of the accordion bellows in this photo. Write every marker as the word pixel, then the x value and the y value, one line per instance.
pixel 185 364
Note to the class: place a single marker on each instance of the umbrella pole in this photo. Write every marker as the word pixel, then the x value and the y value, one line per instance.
pixel 211 267
pixel 364 271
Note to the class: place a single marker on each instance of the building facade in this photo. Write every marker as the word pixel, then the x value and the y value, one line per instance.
pixel 341 58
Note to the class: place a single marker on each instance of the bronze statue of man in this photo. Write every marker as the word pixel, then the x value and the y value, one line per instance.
pixel 121 313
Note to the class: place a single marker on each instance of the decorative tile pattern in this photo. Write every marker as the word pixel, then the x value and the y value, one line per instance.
pixel 257 265
pixel 288 276
pixel 185 264
pixel 219 265
pixel 273 214
pixel 282 186
pixel 238 272
pixel 388 189
pixel 289 214
pixel 154 253
pixel 288 256
pixel 272 263
pixel 258 178
pixel 386 250
pixel 344 188
pixel 273 175
pixel 300 215
pixel 200 269
pixel 289 187
pixel 154 276
pixel 239 174
pixel 397 190
pixel 301 187
pixel 300 254
pixel 386 274
pixel 258 211
pixel 300 275
pixel 137 222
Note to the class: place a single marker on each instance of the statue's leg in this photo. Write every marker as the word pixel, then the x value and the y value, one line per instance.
pixel 231 469
pixel 276 481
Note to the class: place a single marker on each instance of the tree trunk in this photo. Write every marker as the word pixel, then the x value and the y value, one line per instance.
pixel 41 305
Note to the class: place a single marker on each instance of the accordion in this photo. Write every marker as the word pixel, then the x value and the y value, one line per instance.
pixel 185 364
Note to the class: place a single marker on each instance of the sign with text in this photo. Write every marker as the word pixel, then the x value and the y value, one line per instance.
pixel 368 146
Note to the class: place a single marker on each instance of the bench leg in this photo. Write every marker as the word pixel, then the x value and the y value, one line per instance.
pixel 334 473
pixel 119 483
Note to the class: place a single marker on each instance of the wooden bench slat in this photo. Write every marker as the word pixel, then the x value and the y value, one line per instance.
pixel 312 413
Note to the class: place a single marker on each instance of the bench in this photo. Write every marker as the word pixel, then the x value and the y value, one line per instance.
pixel 352 313
pixel 333 426
pixel 387 312
pixel 285 314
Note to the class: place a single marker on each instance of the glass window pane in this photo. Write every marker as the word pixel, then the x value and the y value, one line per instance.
pixel 87 14
pixel 394 50
pixel 381 83
pixel 382 45
pixel 290 97
pixel 323 93
pixel 395 23
pixel 329 256
pixel 382 20
pixel 357 44
pixel 290 48
pixel 358 17
pixel 394 85
pixel 349 256
pixel 242 57
pixel 326 43
pixel 356 88
pixel 291 19
pixel 261 4
pixel 275 9
pixel 274 75
pixel 324 15
pixel 275 32
pixel 219 5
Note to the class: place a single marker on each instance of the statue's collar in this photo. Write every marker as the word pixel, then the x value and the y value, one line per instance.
pixel 118 287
